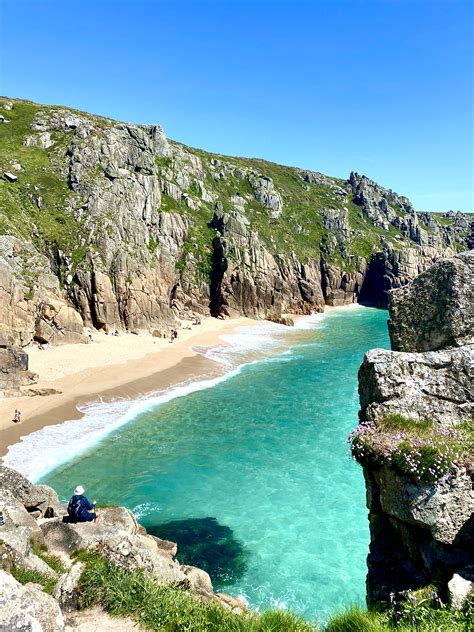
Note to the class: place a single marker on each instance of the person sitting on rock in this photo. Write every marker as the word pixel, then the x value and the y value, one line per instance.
pixel 80 509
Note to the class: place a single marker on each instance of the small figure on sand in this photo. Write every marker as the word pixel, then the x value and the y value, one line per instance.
pixel 80 509
pixel 174 335
pixel 17 416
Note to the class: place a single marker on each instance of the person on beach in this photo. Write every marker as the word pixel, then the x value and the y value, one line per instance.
pixel 17 417
pixel 80 509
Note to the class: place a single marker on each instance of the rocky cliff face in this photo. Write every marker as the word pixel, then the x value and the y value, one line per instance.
pixel 112 225
pixel 416 437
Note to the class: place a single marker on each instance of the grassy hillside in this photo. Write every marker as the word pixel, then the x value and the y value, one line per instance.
pixel 40 205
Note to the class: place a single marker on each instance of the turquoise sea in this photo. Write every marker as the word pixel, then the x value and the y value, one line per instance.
pixel 251 473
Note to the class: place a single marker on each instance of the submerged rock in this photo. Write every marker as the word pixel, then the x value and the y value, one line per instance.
pixel 208 545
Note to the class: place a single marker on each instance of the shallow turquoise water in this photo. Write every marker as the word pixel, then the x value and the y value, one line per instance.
pixel 263 453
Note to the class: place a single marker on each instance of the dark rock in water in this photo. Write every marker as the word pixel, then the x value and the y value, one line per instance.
pixel 205 543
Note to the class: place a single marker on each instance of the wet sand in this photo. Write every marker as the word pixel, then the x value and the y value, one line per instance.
pixel 122 367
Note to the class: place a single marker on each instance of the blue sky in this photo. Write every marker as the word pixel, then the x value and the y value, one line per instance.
pixel 383 87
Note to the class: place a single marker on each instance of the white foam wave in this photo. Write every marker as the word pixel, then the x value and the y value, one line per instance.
pixel 144 509
pixel 41 451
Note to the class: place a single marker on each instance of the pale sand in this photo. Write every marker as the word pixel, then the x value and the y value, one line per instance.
pixel 111 367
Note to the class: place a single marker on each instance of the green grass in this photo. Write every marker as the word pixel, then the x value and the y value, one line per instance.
pixel 51 560
pixel 170 608
pixel 394 422
pixel 51 226
pixel 411 617
pixel 23 575
pixel 155 607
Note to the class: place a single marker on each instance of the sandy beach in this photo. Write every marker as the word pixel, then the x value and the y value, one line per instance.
pixel 110 367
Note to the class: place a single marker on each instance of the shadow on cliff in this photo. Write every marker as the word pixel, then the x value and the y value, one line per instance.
pixel 205 543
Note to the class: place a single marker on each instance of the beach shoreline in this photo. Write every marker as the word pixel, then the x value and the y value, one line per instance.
pixel 126 367
pixel 123 367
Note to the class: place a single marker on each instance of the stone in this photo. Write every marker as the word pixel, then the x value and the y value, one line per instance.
pixel 439 381
pixel 26 608
pixel 33 497
pixel 436 310
pixel 11 177
pixel 132 552
pixel 199 580
pixel 461 588
pixel 15 551
pixel 134 194
pixel 14 511
pixel 67 591
pixel 14 371
pixel 422 532
pixel 232 603
pixel 64 538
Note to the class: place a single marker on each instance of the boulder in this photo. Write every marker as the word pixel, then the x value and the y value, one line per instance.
pixel 435 311
pixel 14 513
pixel 232 603
pixel 440 382
pixel 33 497
pixel 15 551
pixel 461 588
pixel 26 608
pixel 132 552
pixel 64 538
pixel 198 579
pixel 67 591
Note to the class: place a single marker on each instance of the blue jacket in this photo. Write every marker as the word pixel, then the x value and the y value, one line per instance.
pixel 79 508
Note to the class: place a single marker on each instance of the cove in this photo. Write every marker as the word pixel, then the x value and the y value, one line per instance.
pixel 252 477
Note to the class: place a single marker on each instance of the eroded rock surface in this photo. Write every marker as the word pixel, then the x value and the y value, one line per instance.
pixel 422 531
pixel 27 608
pixel 138 232
pixel 436 311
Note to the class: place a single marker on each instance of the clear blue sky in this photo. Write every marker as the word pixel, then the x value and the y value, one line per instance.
pixel 383 87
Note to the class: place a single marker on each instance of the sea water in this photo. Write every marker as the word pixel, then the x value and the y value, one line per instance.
pixel 250 472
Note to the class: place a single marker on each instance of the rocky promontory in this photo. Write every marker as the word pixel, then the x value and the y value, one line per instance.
pixel 41 568
pixel 416 438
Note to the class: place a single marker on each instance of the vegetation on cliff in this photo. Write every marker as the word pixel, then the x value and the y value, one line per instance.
pixel 139 230
pixel 420 449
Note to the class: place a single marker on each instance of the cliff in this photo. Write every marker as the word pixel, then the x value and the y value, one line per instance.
pixel 416 438
pixel 112 225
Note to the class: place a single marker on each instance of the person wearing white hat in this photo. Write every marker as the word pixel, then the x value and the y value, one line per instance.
pixel 80 509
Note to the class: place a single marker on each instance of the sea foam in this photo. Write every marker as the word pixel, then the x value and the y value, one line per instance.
pixel 42 451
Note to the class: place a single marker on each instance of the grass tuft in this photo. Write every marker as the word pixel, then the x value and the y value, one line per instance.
pixel 159 607
pixel 24 576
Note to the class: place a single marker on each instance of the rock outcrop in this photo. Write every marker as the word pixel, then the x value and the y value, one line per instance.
pixel 436 311
pixel 27 607
pixel 415 437
pixel 32 520
pixel 126 229
pixel 14 372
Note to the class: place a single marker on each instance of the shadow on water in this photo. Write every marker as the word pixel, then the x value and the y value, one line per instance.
pixel 205 543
